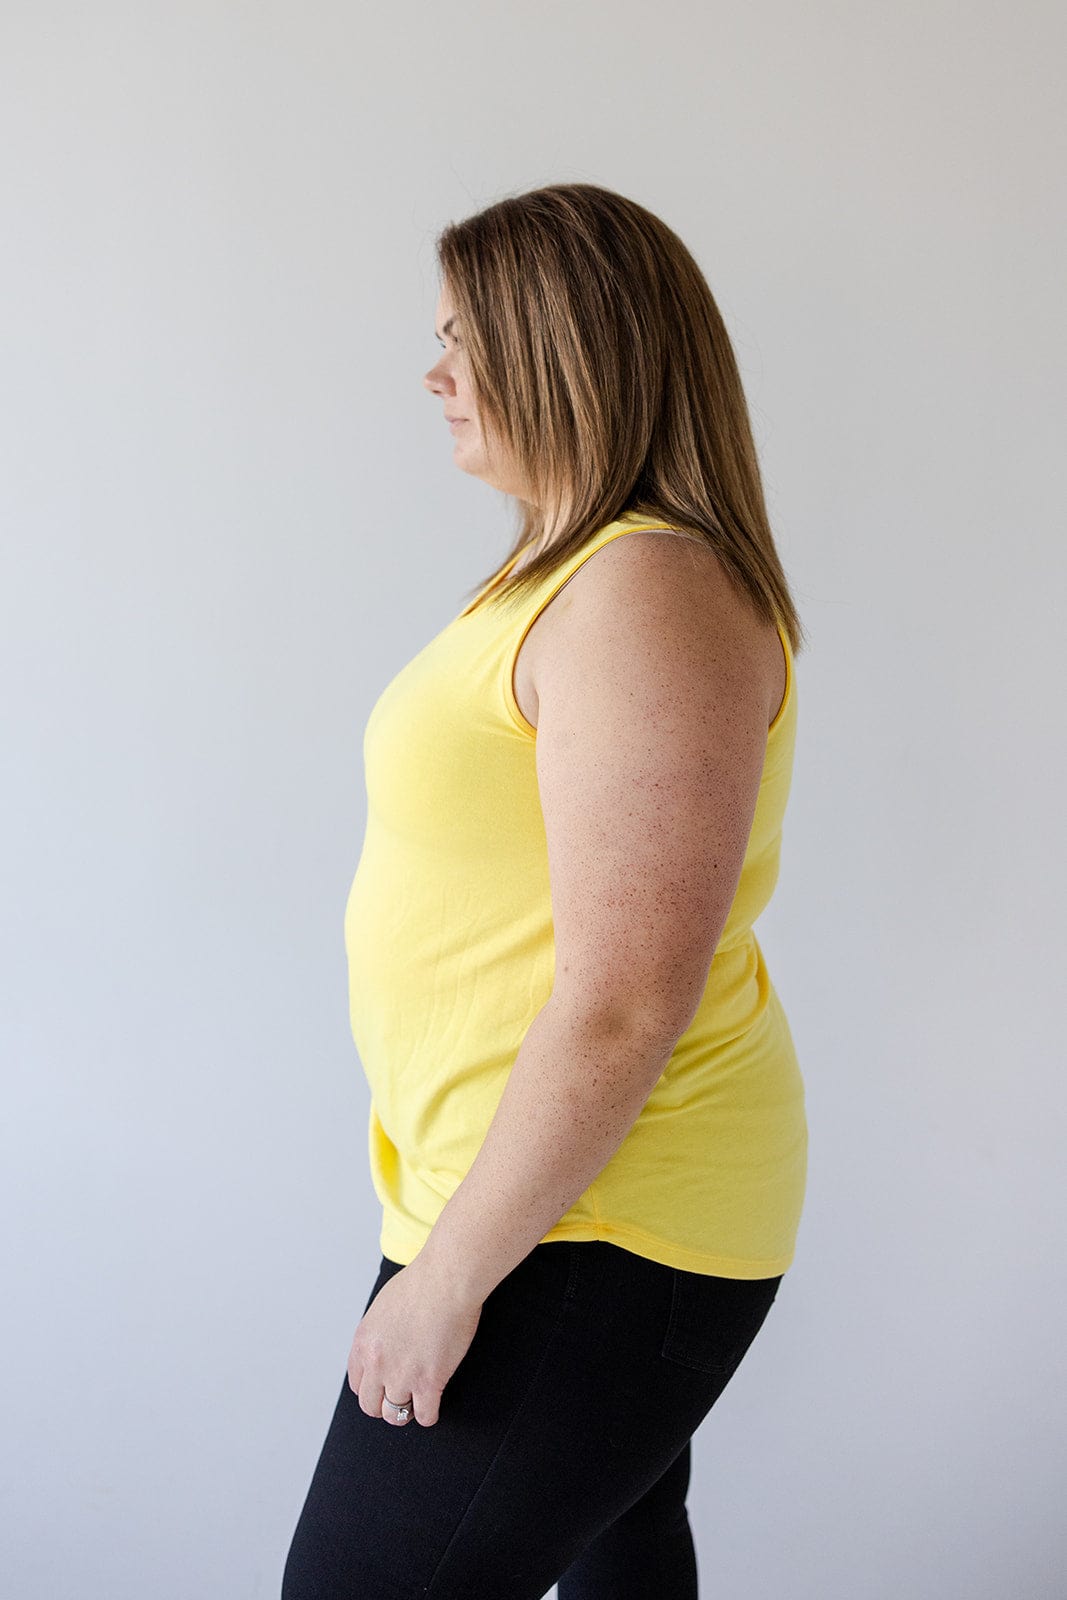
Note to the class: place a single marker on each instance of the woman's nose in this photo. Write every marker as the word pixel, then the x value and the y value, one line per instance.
pixel 435 380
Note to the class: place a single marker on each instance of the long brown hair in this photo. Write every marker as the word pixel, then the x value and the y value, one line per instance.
pixel 596 351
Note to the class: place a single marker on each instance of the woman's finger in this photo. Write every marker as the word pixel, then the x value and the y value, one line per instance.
pixel 370 1394
pixel 426 1405
pixel 355 1375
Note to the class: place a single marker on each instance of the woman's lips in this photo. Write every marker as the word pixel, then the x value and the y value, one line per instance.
pixel 457 422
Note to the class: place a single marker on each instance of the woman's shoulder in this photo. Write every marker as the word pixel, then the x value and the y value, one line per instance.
pixel 652 570
pixel 662 580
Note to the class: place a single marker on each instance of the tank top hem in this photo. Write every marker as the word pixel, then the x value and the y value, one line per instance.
pixel 401 1245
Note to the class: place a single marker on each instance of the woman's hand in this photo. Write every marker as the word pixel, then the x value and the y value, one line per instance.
pixel 411 1339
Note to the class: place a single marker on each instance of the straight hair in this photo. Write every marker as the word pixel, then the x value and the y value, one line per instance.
pixel 598 355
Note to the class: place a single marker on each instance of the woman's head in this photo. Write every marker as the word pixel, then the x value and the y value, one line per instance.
pixel 587 354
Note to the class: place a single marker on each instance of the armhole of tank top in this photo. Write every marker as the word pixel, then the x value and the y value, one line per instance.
pixel 511 654
pixel 787 696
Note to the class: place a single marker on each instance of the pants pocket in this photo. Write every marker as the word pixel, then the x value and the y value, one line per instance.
pixel 713 1320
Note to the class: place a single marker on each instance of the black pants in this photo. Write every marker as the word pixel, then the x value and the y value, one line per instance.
pixel 561 1452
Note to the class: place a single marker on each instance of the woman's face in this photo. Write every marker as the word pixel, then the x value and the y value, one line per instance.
pixel 449 380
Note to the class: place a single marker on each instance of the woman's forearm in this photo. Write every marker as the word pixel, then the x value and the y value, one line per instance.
pixel 574 1091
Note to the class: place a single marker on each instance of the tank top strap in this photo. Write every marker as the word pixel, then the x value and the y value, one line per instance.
pixel 538 598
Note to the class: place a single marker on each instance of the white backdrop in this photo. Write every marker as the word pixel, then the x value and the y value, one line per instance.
pixel 230 514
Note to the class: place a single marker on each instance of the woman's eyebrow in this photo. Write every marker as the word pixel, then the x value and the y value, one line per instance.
pixel 446 327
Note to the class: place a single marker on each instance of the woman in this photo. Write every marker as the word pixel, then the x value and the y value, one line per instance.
pixel 587 1125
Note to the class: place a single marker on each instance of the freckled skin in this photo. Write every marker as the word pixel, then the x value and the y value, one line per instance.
pixel 654 693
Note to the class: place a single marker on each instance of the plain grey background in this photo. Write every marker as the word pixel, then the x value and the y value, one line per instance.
pixel 230 514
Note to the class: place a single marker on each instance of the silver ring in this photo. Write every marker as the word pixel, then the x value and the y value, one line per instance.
pixel 400 1407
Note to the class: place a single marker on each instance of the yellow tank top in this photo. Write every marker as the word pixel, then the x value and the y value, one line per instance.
pixel 449 942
